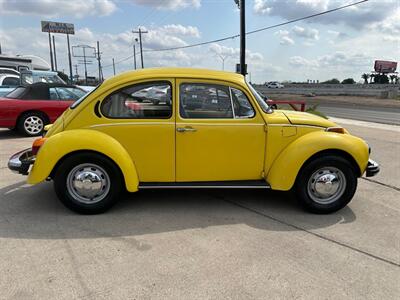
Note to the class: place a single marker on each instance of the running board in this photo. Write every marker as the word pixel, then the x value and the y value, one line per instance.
pixel 240 184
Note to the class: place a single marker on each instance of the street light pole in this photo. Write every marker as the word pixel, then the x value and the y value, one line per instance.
pixel 140 32
pixel 243 70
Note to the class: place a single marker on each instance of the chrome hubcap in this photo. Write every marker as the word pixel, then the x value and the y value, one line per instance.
pixel 88 183
pixel 326 185
pixel 33 125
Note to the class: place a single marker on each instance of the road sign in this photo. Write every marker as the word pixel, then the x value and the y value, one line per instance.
pixel 56 27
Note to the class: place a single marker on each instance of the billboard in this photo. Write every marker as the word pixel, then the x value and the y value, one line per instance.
pixel 384 66
pixel 56 27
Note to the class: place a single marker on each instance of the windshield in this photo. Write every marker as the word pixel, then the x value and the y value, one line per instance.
pixel 80 100
pixel 260 99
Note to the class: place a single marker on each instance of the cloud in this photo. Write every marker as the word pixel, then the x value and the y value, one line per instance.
pixel 56 8
pixel 284 37
pixel 357 17
pixel 234 52
pixel 169 4
pixel 307 33
pixel 299 61
pixel 336 60
pixel 182 30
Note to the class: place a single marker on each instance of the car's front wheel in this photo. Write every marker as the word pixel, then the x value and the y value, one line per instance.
pixel 88 183
pixel 326 184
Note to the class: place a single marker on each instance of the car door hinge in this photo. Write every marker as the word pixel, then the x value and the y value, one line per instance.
pixel 265 128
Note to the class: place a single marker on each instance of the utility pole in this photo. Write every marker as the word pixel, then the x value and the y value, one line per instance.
pixel 113 65
pixel 76 72
pixel 134 55
pixel 242 6
pixel 85 62
pixel 140 43
pixel 55 54
pixel 51 53
pixel 99 61
pixel 69 60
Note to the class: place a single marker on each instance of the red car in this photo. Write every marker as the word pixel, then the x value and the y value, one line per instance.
pixel 30 108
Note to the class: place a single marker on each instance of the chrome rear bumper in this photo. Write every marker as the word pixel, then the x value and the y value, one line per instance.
pixel 21 161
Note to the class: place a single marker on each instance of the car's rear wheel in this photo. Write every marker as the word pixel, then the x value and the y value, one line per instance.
pixel 88 183
pixel 32 123
pixel 326 184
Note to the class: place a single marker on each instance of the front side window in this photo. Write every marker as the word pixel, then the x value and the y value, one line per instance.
pixel 140 101
pixel 67 94
pixel 205 101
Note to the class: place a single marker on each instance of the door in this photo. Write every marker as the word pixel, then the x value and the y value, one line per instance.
pixel 219 134
pixel 140 116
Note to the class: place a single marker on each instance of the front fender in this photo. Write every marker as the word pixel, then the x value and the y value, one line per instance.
pixel 66 142
pixel 287 165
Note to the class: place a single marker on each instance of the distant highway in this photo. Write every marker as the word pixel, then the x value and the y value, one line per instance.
pixel 373 114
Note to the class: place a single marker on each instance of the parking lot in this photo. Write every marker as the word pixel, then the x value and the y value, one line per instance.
pixel 191 244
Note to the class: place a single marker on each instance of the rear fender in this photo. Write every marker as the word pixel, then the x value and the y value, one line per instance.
pixel 64 143
pixel 284 170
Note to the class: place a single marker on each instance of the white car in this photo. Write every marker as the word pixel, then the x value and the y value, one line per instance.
pixel 9 80
pixel 275 85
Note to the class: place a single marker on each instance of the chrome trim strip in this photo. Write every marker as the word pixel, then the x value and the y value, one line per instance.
pixel 295 125
pixel 220 124
pixel 131 123
pixel 203 187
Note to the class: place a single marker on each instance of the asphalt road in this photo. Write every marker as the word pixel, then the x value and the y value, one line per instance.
pixel 372 114
pixel 202 244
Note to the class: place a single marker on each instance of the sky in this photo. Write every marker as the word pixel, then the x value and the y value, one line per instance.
pixel 339 45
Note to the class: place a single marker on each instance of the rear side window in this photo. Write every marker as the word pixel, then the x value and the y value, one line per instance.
pixel 140 101
pixel 17 93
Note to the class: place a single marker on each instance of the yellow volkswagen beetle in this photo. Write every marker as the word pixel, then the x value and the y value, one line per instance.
pixel 191 128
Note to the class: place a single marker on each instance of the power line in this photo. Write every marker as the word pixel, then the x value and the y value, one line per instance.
pixel 258 30
pixel 247 33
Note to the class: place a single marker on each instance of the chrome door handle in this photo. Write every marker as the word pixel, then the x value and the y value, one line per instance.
pixel 186 129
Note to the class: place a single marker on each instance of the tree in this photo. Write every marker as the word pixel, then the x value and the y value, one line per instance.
pixel 381 78
pixel 348 81
pixel 365 76
pixel 332 81
pixel 393 78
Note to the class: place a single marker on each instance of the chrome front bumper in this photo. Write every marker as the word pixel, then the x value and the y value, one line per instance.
pixel 21 161
pixel 372 168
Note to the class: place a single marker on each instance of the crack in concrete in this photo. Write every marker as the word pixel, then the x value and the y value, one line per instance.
pixel 383 184
pixel 385 260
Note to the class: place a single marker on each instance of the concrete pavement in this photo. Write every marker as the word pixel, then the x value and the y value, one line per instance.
pixel 203 244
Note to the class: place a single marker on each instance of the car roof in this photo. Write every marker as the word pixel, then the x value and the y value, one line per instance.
pixel 2 75
pixel 174 73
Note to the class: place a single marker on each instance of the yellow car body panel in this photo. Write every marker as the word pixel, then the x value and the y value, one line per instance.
pixel 67 142
pixel 219 149
pixel 272 145
pixel 286 166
